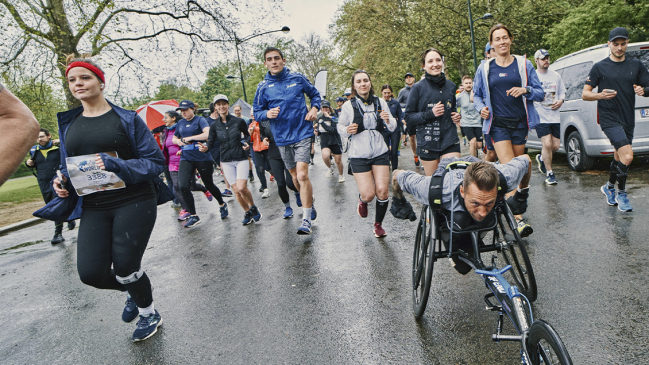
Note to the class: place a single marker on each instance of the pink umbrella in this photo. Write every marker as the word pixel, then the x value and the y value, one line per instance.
pixel 153 112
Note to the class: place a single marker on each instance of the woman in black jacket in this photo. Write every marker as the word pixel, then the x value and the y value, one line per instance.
pixel 431 109
pixel 230 131
pixel 330 142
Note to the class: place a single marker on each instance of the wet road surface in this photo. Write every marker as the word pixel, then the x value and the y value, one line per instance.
pixel 234 294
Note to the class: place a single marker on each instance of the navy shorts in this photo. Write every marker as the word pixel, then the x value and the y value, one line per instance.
pixel 412 130
pixel 427 155
pixel 618 135
pixel 543 129
pixel 473 132
pixel 488 143
pixel 516 136
pixel 334 148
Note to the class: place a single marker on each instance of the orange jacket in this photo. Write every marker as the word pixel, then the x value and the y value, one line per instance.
pixel 255 137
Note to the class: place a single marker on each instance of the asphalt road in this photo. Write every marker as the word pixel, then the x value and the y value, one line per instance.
pixel 233 294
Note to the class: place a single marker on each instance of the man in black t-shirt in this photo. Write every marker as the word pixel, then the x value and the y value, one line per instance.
pixel 619 80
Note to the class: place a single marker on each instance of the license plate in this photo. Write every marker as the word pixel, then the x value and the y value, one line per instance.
pixel 644 113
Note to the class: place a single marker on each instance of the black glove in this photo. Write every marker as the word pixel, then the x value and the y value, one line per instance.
pixel 401 209
pixel 518 202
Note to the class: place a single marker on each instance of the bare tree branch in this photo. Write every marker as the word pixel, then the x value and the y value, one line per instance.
pixel 191 34
pixel 17 53
pixel 93 20
pixel 21 23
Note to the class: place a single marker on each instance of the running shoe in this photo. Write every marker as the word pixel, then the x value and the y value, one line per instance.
pixel 417 161
pixel 256 214
pixel 305 227
pixel 362 208
pixel 176 205
pixel 208 195
pixel 314 213
pixel 311 163
pixel 610 195
pixel 130 310
pixel 272 178
pixel 298 201
pixel 330 171
pixel 251 178
pixel 379 231
pixel 539 159
pixel 183 215
pixel 224 210
pixel 71 225
pixel 266 194
pixel 551 180
pixel 288 212
pixel 227 193
pixel 247 218
pixel 192 221
pixel 147 326
pixel 341 178
pixel 524 229
pixel 58 238
pixel 623 202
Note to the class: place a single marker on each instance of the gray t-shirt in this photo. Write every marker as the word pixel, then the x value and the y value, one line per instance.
pixel 470 116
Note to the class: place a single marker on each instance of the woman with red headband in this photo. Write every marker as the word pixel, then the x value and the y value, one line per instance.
pixel 103 142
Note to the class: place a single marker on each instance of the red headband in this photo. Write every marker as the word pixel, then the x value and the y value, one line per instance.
pixel 90 67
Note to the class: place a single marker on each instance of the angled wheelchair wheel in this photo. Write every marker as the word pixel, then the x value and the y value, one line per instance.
pixel 422 262
pixel 515 254
pixel 545 346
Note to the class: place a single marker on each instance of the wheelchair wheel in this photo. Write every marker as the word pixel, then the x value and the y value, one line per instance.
pixel 545 346
pixel 515 254
pixel 422 262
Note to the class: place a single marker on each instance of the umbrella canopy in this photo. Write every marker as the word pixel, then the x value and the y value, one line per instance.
pixel 153 112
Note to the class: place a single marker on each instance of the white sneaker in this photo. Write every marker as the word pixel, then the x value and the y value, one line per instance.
pixel 266 194
pixel 329 173
pixel 341 178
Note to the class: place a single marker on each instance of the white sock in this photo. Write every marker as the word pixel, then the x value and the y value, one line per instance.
pixel 146 311
pixel 306 214
pixel 549 172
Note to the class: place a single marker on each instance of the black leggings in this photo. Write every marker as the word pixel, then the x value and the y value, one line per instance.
pixel 185 172
pixel 261 165
pixel 393 139
pixel 116 237
pixel 193 186
pixel 283 178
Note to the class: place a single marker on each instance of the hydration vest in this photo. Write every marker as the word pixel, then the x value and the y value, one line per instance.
pixel 359 113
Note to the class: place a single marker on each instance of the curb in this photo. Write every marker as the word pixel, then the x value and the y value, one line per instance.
pixel 20 225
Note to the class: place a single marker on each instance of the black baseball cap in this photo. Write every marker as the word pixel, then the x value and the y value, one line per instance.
pixel 409 74
pixel 618 32
pixel 325 103
pixel 185 104
pixel 340 98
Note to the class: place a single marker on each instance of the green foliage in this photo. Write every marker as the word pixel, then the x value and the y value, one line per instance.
pixel 588 24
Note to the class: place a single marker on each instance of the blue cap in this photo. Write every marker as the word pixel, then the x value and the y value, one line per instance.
pixel 340 98
pixel 186 104
pixel 488 47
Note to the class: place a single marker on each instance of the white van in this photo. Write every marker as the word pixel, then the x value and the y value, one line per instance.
pixel 581 136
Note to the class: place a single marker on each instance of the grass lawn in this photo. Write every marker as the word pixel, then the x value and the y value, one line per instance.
pixel 20 191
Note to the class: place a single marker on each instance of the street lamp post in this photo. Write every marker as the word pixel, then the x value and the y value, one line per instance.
pixel 238 41
pixel 471 21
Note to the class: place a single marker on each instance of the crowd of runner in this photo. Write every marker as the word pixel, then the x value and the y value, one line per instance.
pixel 506 98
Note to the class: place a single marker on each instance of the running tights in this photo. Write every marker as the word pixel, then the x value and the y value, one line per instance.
pixel 185 172
pixel 116 237
pixel 193 186
pixel 283 179
pixel 261 165
pixel 392 140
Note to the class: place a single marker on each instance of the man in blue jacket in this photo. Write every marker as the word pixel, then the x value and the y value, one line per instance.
pixel 280 100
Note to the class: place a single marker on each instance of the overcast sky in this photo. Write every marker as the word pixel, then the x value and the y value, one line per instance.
pixel 305 16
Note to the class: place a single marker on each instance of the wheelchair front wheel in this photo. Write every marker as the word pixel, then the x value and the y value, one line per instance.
pixel 545 346
pixel 515 254
pixel 422 262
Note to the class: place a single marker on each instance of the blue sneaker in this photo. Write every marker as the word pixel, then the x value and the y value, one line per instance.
pixel 314 214
pixel 130 310
pixel 551 180
pixel 610 195
pixel 305 228
pixel 623 202
pixel 147 326
pixel 227 193
pixel 192 221
pixel 539 159
pixel 256 214
pixel 224 210
pixel 247 218
pixel 288 212
pixel 298 200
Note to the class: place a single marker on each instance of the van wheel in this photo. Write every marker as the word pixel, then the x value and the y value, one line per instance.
pixel 576 153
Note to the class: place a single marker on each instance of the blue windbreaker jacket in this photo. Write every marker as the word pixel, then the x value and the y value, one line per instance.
pixel 148 164
pixel 482 98
pixel 286 90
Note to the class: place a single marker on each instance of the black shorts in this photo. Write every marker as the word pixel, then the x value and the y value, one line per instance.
pixel 543 129
pixel 618 134
pixel 473 132
pixel 334 148
pixel 359 165
pixel 426 155
pixel 412 130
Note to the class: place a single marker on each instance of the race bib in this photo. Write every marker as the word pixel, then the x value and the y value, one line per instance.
pixel 87 178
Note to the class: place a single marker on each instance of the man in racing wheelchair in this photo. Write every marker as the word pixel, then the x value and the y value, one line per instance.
pixel 471 193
